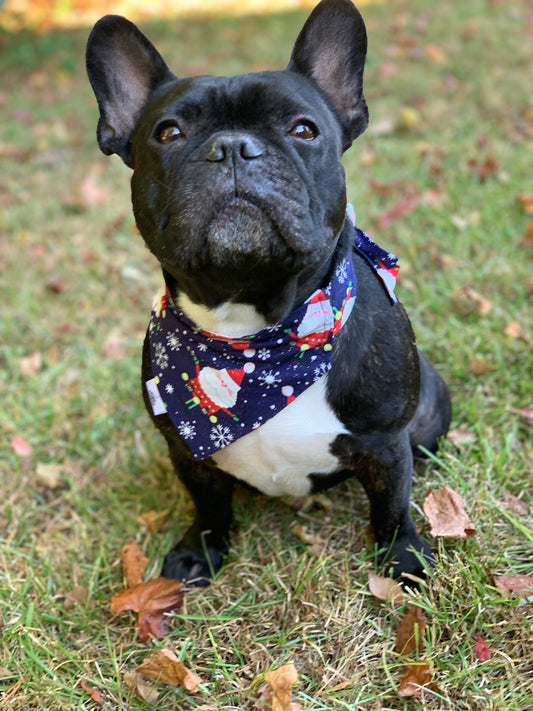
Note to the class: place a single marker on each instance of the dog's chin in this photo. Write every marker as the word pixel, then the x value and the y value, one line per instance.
pixel 242 233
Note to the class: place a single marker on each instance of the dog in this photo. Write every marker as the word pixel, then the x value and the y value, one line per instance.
pixel 277 353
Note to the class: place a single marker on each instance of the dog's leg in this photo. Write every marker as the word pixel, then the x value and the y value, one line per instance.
pixel 383 463
pixel 198 556
pixel 434 411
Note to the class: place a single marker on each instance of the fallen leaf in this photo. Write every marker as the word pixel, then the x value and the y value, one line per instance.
pixel 49 474
pixel 417 679
pixel 461 437
pixel 515 331
pixel 479 366
pixel 154 520
pixel 164 666
pixel 277 692
pixel 134 564
pixel 141 687
pixel 5 673
pixel 514 585
pixel 484 168
pixel 444 509
pixel 410 632
pixel 526 413
pixel 527 239
pixel 526 200
pixel 20 446
pixel 482 305
pixel 516 505
pixel 481 650
pixel 93 693
pixel 315 542
pixel 435 53
pixel 31 365
pixel 385 589
pixel 401 209
pixel 151 600
pixel 56 286
pixel 77 596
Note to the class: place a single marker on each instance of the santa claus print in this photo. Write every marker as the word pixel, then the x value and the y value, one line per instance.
pixel 213 390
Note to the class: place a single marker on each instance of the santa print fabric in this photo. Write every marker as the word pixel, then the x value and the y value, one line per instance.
pixel 217 389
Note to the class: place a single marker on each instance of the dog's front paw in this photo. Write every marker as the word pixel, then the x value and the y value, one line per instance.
pixel 198 570
pixel 407 558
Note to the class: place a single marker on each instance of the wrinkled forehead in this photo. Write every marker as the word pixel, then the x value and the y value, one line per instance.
pixel 245 97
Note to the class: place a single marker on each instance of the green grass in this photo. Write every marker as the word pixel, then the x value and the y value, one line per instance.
pixel 76 286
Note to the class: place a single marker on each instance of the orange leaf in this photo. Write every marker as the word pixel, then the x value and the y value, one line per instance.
pixel 444 509
pixel 150 600
pixel 134 564
pixel 93 693
pixel 417 679
pixel 514 585
pixel 277 691
pixel 154 520
pixel 165 666
pixel 526 200
pixel 410 632
pixel 483 305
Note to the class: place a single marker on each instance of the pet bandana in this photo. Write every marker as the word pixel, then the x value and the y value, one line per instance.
pixel 217 389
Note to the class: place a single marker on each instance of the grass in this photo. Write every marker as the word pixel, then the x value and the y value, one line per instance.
pixel 450 100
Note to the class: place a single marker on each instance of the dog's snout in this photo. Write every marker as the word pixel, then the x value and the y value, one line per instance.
pixel 232 145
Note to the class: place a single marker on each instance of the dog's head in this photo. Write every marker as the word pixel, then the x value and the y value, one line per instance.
pixel 237 185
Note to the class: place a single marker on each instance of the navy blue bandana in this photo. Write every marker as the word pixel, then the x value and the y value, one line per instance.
pixel 217 389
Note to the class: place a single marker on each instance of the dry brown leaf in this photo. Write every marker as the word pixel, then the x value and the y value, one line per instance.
pixel 444 509
pixel 95 695
pixel 527 239
pixel 154 520
pixel 31 365
pixel 134 563
pixel 418 678
pixel 49 474
pixel 516 505
pixel 410 632
pixel 514 585
pixel 141 687
pixel 479 366
pixel 277 692
pixel 164 666
pixel 385 589
pixel 526 413
pixel 515 331
pixel 151 600
pixel 77 596
pixel 315 542
pixel 483 305
pixel 526 200
pixel 461 437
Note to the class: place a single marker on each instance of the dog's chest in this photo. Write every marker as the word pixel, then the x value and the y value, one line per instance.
pixel 278 457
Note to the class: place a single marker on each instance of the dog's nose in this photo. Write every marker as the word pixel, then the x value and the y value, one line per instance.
pixel 223 146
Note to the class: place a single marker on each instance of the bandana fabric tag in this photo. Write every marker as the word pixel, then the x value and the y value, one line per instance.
pixel 217 389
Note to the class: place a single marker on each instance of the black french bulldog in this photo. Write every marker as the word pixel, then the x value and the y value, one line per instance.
pixel 277 353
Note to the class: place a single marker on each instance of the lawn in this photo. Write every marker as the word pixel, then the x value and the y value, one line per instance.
pixel 442 178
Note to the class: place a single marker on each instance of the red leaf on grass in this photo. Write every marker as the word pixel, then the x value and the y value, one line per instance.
pixel 151 600
pixel 481 650
pixel 401 209
pixel 20 446
pixel 444 509
pixel 93 693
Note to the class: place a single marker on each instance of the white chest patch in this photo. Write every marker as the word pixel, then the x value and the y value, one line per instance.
pixel 278 457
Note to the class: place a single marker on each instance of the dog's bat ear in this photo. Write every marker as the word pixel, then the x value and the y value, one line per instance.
pixel 124 68
pixel 331 48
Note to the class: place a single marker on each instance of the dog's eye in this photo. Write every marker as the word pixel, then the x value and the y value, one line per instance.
pixel 305 131
pixel 168 132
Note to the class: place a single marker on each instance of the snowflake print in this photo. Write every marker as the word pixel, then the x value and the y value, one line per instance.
pixel 160 356
pixel 221 436
pixel 263 354
pixel 169 388
pixel 187 430
pixel 269 378
pixel 173 342
pixel 341 272
pixel 321 370
pixel 272 329
pixel 201 346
